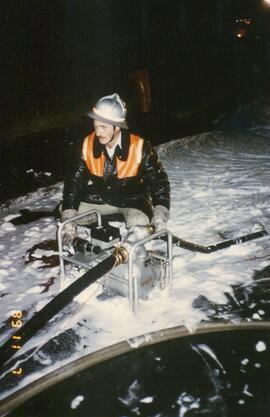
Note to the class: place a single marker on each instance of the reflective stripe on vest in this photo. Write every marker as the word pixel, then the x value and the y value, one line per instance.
pixel 128 168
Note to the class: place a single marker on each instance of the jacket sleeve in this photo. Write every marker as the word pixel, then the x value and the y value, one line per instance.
pixel 73 186
pixel 155 177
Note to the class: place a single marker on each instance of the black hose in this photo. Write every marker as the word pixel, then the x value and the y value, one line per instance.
pixel 193 247
pixel 30 328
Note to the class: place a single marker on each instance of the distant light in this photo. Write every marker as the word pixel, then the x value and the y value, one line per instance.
pixel 245 20
pixel 241 33
pixel 267 1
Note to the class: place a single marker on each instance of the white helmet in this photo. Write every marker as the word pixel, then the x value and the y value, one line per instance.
pixel 110 109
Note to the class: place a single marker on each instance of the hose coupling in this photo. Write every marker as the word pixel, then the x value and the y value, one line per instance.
pixel 121 255
pixel 150 229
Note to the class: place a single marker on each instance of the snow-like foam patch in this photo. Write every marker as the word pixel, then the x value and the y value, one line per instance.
pixel 76 402
pixel 7 227
pixel 260 346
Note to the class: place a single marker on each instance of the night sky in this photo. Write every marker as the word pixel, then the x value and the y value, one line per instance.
pixel 61 56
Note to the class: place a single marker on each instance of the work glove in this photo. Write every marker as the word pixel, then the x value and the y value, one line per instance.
pixel 134 235
pixel 160 217
pixel 69 231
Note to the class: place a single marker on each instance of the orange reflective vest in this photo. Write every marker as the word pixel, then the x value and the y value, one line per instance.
pixel 128 168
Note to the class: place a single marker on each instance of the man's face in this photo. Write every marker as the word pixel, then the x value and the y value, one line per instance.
pixel 104 132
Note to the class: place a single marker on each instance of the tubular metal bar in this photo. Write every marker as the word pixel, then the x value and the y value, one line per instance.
pixel 132 280
pixel 59 236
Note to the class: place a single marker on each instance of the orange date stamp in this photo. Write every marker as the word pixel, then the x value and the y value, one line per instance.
pixel 16 322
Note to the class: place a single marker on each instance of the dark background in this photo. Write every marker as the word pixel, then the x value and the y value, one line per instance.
pixel 195 59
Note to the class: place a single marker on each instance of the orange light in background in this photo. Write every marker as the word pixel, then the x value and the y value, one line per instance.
pixel 241 33
pixel 267 1
pixel 142 81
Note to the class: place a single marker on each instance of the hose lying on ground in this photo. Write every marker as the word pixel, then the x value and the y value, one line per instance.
pixel 194 247
pixel 61 300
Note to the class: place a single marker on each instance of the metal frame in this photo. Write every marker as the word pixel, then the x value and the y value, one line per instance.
pixel 132 280
pixel 62 257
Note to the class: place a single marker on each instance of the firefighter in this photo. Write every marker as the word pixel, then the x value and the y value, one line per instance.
pixel 119 173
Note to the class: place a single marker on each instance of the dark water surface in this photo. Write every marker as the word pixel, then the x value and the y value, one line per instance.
pixel 224 373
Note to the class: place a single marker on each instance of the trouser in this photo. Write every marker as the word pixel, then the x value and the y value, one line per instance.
pixel 133 217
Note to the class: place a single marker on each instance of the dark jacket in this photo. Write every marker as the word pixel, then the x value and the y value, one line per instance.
pixel 143 191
